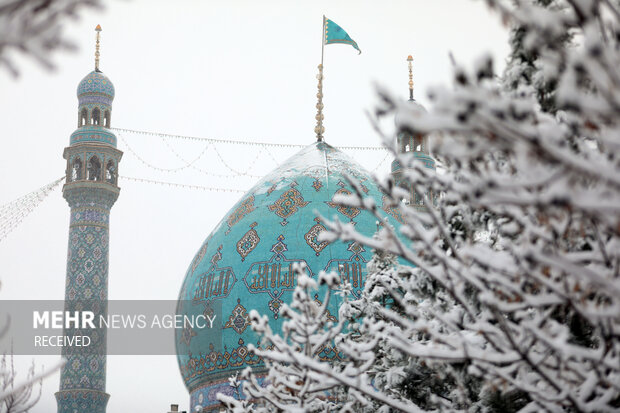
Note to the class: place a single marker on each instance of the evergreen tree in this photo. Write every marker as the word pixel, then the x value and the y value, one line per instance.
pixel 526 71
pixel 513 299
pixel 307 334
pixel 532 178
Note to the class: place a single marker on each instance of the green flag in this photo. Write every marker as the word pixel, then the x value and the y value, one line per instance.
pixel 335 34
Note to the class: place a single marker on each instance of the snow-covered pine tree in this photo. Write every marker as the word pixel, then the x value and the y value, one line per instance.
pixel 433 385
pixel 535 259
pixel 535 272
pixel 425 382
pixel 309 331
pixel 388 367
pixel 525 70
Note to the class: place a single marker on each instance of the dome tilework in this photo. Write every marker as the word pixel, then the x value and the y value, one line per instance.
pixel 96 82
pixel 246 263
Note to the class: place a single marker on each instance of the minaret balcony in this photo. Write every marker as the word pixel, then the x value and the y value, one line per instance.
pixel 90 193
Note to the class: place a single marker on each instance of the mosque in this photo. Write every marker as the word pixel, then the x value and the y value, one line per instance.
pixel 244 263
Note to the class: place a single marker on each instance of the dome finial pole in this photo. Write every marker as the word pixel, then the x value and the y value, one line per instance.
pixel 98 30
pixel 410 60
pixel 319 128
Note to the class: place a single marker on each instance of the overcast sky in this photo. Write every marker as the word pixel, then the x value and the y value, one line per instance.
pixel 223 69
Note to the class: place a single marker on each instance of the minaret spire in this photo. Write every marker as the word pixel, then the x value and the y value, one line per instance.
pixel 410 60
pixel 98 30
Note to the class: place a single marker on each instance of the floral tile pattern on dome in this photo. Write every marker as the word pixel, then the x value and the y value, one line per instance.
pixel 213 360
pixel 187 334
pixel 389 209
pixel 311 237
pixel 275 304
pixel 242 210
pixel 200 255
pixel 288 203
pixel 271 189
pixel 317 185
pixel 239 320
pixel 349 212
pixel 329 315
pixel 356 248
pixel 248 242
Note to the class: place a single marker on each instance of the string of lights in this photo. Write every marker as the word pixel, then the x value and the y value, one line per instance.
pixel 242 142
pixel 187 163
pixel 239 173
pixel 209 173
pixel 14 212
pixel 211 143
pixel 381 163
pixel 221 158
pixel 190 164
pixel 271 156
pixel 179 185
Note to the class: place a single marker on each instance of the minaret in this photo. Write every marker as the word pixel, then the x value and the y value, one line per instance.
pixel 90 190
pixel 412 145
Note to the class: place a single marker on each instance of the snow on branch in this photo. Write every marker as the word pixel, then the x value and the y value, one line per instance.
pixel 520 258
pixel 34 28
pixel 503 293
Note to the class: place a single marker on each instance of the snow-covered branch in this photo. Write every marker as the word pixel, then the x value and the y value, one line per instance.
pixel 523 247
pixel 34 28
pixel 503 294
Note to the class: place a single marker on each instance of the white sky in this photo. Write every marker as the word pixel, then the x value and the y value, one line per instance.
pixel 226 69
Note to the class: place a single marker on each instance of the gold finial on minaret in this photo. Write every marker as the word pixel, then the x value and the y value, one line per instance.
pixel 410 60
pixel 319 129
pixel 98 30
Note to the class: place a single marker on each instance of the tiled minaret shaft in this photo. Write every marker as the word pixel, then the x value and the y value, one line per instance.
pixel 90 190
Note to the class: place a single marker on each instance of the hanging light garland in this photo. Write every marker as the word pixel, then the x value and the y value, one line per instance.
pixel 183 186
pixel 191 164
pixel 242 142
pixel 13 213
pixel 381 163
pixel 212 143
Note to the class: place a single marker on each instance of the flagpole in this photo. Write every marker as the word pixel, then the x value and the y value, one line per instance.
pixel 323 40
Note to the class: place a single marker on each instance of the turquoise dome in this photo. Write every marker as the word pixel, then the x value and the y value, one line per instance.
pixel 246 263
pixel 96 83
pixel 95 95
